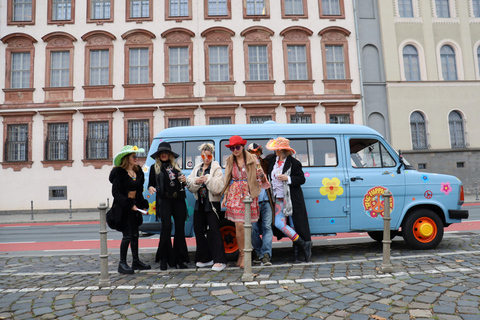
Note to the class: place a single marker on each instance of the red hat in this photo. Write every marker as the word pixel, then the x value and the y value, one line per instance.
pixel 236 140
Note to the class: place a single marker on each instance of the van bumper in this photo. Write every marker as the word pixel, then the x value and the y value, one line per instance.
pixel 458 214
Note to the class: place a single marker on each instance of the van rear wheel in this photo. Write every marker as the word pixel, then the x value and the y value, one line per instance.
pixel 423 229
pixel 229 236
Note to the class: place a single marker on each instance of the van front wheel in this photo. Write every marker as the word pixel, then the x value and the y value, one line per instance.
pixel 423 230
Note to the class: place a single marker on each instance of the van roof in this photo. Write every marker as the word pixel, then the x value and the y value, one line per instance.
pixel 267 128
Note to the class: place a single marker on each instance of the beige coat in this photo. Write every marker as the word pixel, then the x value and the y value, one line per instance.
pixel 214 182
pixel 251 166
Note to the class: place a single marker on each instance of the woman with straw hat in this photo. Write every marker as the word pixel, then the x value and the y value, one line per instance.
pixel 287 176
pixel 166 180
pixel 242 178
pixel 127 186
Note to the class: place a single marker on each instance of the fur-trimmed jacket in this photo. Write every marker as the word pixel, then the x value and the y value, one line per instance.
pixel 214 182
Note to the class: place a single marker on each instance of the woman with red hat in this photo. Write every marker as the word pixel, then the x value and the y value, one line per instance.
pixel 242 178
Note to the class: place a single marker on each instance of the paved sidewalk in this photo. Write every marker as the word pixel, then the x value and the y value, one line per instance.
pixel 343 282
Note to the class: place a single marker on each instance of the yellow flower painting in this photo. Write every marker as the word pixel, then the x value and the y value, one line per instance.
pixel 331 188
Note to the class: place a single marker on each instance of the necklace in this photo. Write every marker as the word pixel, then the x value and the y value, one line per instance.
pixel 132 175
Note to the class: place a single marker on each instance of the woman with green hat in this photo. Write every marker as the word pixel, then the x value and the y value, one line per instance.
pixel 127 187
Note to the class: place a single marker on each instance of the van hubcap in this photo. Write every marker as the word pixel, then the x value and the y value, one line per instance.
pixel 425 230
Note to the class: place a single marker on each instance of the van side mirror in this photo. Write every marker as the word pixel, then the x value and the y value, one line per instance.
pixel 400 157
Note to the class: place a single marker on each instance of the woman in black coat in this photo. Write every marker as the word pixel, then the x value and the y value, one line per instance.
pixel 167 181
pixel 127 186
pixel 287 177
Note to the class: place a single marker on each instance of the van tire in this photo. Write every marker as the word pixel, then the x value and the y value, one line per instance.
pixel 227 229
pixel 378 235
pixel 431 224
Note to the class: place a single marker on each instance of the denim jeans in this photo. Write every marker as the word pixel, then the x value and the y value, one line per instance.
pixel 263 245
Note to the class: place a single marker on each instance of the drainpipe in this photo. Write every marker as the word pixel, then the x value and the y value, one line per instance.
pixel 362 99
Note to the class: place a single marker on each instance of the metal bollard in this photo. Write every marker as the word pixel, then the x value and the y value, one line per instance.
pixel 70 210
pixel 386 265
pixel 247 271
pixel 104 278
pixel 476 191
pixel 31 206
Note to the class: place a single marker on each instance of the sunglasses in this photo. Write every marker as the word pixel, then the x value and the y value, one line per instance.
pixel 209 157
pixel 237 147
pixel 135 156
pixel 164 152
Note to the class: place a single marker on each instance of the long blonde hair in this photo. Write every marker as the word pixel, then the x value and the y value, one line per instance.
pixel 171 158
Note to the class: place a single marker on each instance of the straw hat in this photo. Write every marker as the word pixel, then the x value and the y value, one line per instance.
pixel 126 150
pixel 279 144
pixel 236 140
pixel 163 146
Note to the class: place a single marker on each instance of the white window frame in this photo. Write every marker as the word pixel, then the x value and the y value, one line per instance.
pixel 104 4
pixel 181 7
pixel 295 67
pixel 63 69
pixel 255 63
pixel 138 70
pixel 216 72
pixel 61 10
pixel 142 4
pixel 98 70
pixel 178 69
pixel 327 7
pixel 218 6
pixel 255 5
pixel 20 75
pixel 410 64
pixel 336 63
pixel 26 8
pixel 293 5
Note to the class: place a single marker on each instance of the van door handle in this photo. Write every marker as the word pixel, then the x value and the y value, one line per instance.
pixel 356 178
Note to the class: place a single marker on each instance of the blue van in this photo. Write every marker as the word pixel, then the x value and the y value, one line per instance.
pixel 347 168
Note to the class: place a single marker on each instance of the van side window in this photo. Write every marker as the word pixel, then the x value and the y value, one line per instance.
pixel 369 153
pixel 192 154
pixel 225 152
pixel 315 152
pixel 177 147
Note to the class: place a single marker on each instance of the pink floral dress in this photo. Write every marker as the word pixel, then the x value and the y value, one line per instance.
pixel 236 192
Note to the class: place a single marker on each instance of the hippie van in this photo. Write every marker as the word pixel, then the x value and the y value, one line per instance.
pixel 347 169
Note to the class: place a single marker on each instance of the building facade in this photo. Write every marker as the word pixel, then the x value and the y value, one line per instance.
pixel 432 63
pixel 84 78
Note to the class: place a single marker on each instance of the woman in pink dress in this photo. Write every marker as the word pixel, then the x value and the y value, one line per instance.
pixel 242 178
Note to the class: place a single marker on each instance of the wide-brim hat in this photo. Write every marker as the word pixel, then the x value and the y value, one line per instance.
pixel 235 141
pixel 253 147
pixel 163 146
pixel 279 144
pixel 117 160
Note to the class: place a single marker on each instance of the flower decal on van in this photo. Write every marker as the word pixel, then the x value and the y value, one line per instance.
pixel 152 208
pixel 331 188
pixel 425 178
pixel 446 188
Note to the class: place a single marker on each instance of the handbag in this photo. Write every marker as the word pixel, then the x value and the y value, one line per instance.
pixel 114 217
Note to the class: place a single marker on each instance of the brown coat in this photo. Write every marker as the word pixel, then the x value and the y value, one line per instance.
pixel 251 166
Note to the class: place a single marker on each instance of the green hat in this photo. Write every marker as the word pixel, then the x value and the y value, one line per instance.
pixel 126 150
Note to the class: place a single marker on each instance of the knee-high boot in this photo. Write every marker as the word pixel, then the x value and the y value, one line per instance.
pixel 306 246
pixel 123 267
pixel 137 264
pixel 240 234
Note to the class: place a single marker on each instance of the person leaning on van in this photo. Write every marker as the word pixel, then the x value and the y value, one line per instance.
pixel 166 180
pixel 127 185
pixel 242 178
pixel 206 183
pixel 287 176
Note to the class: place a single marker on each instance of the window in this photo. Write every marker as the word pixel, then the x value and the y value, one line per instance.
pixel 339 118
pixel 220 120
pixel 179 8
pixel 449 65
pixel 256 8
pixel 476 8
pixel 369 153
pixel 331 9
pixel 411 63
pixel 218 63
pixel 99 67
pixel 260 119
pixel 138 66
pixel 335 62
pixel 293 7
pixel 218 8
pixel 457 132
pixel 418 129
pixel 405 8
pixel 56 145
pixel 139 8
pixel 139 135
pixel 21 12
pixel 100 11
pixel 315 152
pixel 297 62
pixel 97 140
pixel 442 8
pixel 178 122
pixel 422 166
pixel 304 118
pixel 179 64
pixel 16 147
pixel 60 69
pixel 20 70
pixel 61 9
pixel 258 63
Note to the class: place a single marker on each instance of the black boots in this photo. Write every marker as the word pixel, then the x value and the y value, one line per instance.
pixel 124 268
pixel 137 264
pixel 306 246
pixel 296 254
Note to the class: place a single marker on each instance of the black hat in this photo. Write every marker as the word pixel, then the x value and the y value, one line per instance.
pixel 163 146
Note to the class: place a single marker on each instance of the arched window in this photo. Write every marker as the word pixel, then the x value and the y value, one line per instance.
pixel 411 63
pixel 449 65
pixel 405 8
pixel 419 131
pixel 457 133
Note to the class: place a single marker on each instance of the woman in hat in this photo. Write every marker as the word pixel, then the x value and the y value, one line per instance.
pixel 166 180
pixel 127 185
pixel 242 178
pixel 286 176
pixel 206 183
